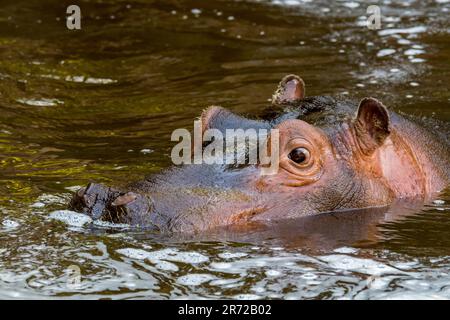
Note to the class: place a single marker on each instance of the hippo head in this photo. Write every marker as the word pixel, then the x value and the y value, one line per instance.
pixel 326 161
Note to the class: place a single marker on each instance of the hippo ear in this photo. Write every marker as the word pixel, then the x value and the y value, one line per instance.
pixel 371 125
pixel 291 88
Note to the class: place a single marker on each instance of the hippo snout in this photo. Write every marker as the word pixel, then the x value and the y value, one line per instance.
pixel 108 204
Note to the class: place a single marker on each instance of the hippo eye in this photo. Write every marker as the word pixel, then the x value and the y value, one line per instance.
pixel 299 155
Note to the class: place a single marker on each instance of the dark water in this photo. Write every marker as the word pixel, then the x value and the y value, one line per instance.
pixel 100 104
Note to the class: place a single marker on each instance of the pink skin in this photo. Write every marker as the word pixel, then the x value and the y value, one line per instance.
pixel 386 164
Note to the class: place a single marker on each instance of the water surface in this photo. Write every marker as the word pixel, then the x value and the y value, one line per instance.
pixel 99 104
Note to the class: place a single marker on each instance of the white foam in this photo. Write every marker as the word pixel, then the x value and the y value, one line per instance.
pixel 10 224
pixel 37 205
pixel 89 80
pixel 168 254
pixel 221 265
pixel 51 199
pixel 231 255
pixel 247 297
pixel 412 30
pixel 111 225
pixel 41 102
pixel 132 253
pixel 365 266
pixel 73 188
pixel 166 266
pixel 71 218
pixel 273 273
pixel 195 279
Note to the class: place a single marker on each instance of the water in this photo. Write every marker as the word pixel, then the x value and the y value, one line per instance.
pixel 100 104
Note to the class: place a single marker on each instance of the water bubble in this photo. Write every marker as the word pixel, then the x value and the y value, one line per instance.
pixel 345 250
pixel 37 205
pixel 273 273
pixel 10 224
pixel 385 52
pixel 351 5
pixel 146 151
pixel 412 52
pixel 403 41
pixel 309 276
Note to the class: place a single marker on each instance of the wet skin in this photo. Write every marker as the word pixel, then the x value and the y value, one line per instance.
pixel 334 155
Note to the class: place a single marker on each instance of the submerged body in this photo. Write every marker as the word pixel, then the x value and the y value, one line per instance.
pixel 333 155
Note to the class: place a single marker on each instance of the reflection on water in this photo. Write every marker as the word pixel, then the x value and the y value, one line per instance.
pixel 100 104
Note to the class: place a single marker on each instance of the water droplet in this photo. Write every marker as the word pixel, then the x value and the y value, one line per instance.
pixel 146 151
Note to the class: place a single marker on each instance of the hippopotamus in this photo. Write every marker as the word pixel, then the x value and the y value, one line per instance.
pixel 333 155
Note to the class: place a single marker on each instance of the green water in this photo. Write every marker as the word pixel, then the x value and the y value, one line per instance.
pixel 100 103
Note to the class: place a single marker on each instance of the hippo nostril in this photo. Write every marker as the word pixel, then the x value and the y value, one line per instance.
pixel 81 192
pixel 130 208
pixel 88 200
